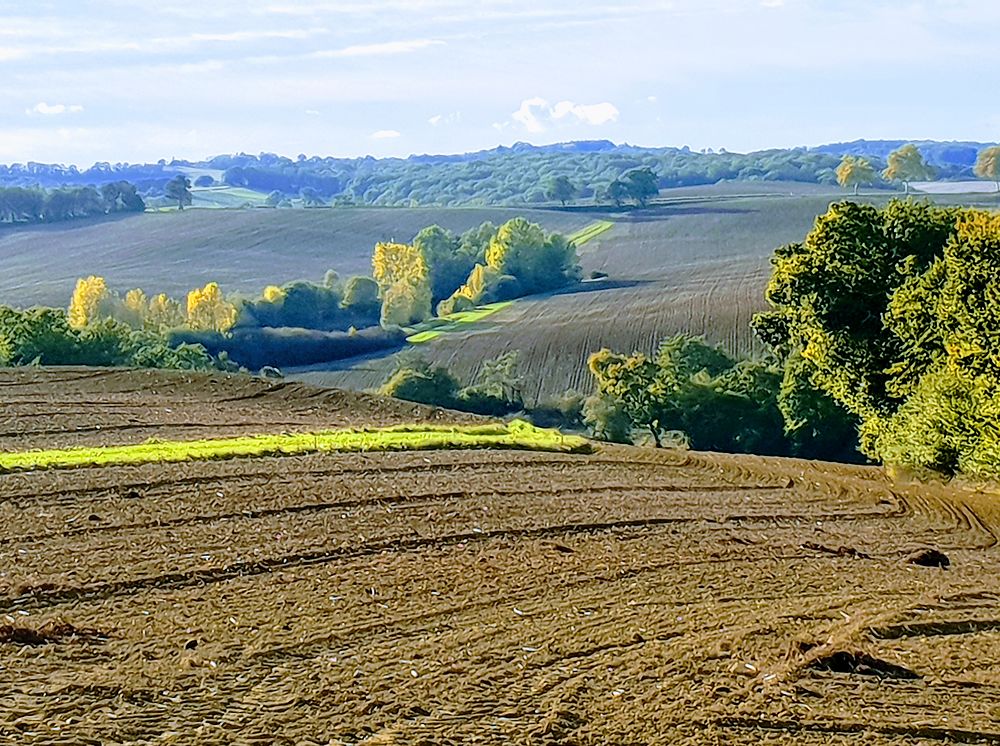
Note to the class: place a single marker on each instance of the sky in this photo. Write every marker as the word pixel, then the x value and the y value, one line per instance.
pixel 83 81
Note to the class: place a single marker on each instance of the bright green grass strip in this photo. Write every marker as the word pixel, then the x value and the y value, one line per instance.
pixel 421 337
pixel 434 328
pixel 590 232
pixel 517 435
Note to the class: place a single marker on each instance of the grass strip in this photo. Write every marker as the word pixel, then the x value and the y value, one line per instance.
pixel 590 232
pixel 516 435
pixel 433 328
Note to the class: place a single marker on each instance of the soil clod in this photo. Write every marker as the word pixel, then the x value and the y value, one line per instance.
pixel 861 664
pixel 929 558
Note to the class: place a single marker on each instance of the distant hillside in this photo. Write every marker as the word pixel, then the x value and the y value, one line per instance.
pixel 520 175
pixel 243 250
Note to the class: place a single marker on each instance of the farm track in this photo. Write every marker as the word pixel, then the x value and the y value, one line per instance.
pixel 624 597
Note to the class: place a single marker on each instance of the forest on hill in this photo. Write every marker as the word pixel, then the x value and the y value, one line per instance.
pixel 522 174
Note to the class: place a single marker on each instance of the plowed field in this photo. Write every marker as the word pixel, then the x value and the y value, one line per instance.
pixel 624 597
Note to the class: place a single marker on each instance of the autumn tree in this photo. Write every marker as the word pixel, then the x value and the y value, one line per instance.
pixel 90 302
pixel 404 283
pixel 988 165
pixel 208 309
pixel 906 164
pixel 855 172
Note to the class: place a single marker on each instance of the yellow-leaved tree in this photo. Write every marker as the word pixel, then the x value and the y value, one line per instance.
pixel 907 164
pixel 273 294
pixel 208 309
pixel 164 312
pixel 988 165
pixel 90 301
pixel 404 283
pixel 855 171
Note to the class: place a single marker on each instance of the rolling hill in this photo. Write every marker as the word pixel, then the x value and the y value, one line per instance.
pixel 243 250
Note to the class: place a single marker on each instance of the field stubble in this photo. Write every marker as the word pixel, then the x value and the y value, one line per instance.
pixel 627 596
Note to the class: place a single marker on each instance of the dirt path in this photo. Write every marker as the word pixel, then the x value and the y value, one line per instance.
pixel 625 597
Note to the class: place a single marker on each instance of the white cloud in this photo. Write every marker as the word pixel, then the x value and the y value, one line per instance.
pixel 381 49
pixel 594 114
pixel 535 114
pixel 385 135
pixel 438 119
pixel 527 117
pixel 50 109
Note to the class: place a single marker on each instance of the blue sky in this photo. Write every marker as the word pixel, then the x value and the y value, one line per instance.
pixel 85 81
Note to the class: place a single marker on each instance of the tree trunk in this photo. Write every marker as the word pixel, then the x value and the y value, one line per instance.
pixel 655 430
pixel 856 190
pixel 906 187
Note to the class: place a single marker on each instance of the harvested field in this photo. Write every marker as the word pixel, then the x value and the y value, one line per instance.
pixel 243 250
pixel 626 597
pixel 695 268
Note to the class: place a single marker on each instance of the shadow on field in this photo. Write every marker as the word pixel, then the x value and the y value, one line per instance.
pixel 656 214
pixel 64 225
pixel 590 286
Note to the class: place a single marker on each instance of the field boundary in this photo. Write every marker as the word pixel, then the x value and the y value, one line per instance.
pixel 516 435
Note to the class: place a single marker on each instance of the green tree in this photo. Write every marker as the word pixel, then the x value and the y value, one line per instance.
pixel 988 165
pixel 855 172
pixel 417 381
pixel 540 262
pixel 641 184
pixel 179 190
pixel 617 192
pixel 606 419
pixel 907 164
pixel 447 264
pixel 562 189
pixel 634 383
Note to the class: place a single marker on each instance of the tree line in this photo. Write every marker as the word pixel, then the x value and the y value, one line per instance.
pixel 907 164
pixel 34 205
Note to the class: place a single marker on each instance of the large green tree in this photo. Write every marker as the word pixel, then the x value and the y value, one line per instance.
pixel 895 313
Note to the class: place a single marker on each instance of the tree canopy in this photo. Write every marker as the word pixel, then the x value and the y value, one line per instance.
pixel 988 165
pixel 895 314
pixel 907 164
pixel 854 172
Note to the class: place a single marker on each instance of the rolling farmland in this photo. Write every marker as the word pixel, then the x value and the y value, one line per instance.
pixel 699 267
pixel 243 250
pixel 623 596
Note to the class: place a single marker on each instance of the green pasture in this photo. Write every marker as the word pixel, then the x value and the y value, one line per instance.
pixel 516 435
pixel 226 197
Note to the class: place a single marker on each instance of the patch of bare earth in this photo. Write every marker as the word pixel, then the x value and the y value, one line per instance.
pixel 623 597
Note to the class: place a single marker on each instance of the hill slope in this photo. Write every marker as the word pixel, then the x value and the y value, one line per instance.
pixel 243 250
pixel 629 596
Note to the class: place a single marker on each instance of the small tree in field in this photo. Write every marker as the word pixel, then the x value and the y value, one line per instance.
pixel 855 172
pixel 907 164
pixel 988 165
pixel 562 189
pixel 179 189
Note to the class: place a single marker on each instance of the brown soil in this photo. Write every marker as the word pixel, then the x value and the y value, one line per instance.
pixel 624 597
